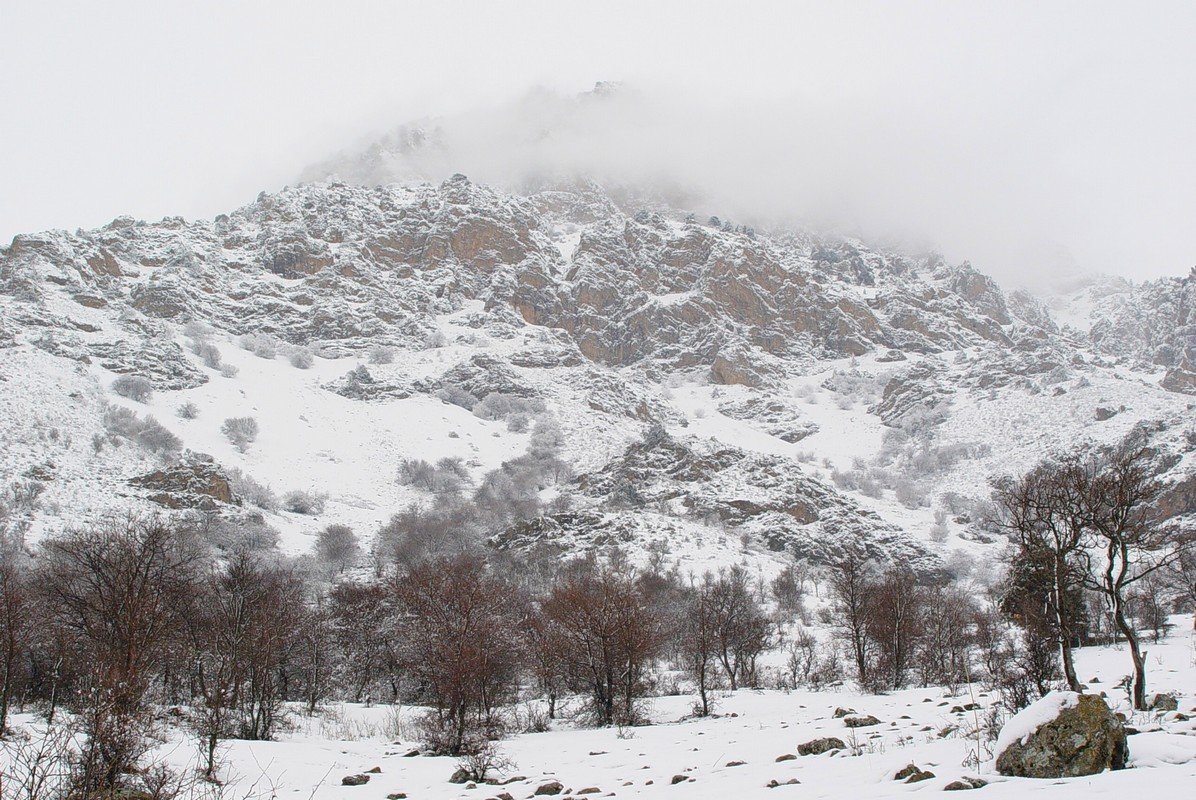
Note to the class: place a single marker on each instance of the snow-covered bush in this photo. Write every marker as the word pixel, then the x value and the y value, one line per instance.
pixel 241 431
pixel 133 387
pixel 497 405
pixel 247 535
pixel 259 344
pixel 228 370
pixel 853 386
pixel 382 354
pixel 301 359
pixel 187 410
pixel 457 396
pixel 250 492
pixel 416 472
pixel 299 501
pixel 910 493
pixel 208 353
pixel 194 329
pixel 547 437
pixel 337 546
pixel 124 424
pixel 448 476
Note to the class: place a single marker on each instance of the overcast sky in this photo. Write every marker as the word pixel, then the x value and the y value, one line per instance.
pixel 1023 136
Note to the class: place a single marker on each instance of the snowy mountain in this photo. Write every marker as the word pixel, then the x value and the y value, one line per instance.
pixel 599 369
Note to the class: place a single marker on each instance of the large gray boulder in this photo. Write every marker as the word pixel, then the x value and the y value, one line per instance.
pixel 1063 735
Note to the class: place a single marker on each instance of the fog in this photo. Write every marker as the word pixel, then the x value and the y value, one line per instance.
pixel 1035 140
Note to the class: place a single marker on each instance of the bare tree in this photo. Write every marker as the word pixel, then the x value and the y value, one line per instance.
pixel 851 589
pixel 116 592
pixel 946 639
pixel 696 636
pixel 742 630
pixel 1117 488
pixel 17 621
pixel 459 622
pixel 1042 510
pixel 609 633
pixel 220 630
pixel 362 617
pixel 893 623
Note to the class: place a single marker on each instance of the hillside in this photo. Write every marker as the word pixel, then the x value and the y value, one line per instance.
pixel 736 394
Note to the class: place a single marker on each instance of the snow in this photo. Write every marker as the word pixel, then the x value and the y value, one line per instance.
pixel 754 726
pixel 567 245
pixel 674 298
pixel 1022 726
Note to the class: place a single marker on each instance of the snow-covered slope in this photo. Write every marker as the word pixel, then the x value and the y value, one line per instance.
pixel 736 394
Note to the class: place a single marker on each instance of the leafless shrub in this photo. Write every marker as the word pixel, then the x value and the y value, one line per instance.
pixel 133 387
pixel 208 353
pixel 301 358
pixel 496 406
pixel 241 431
pixel 260 345
pixel 457 396
pixel 337 546
pixel 251 492
pixel 249 534
pixel 801 658
pixel 416 535
pixel 298 501
pixel 484 761
pixel 38 764
pixel 187 410
pixel 124 424
pixel 382 354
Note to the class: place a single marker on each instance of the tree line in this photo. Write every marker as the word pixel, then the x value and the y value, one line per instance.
pixel 111 623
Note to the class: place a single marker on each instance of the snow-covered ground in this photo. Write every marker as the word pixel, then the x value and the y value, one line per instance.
pixel 761 729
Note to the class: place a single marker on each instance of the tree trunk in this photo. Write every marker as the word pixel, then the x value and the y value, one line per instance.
pixel 1136 654
pixel 1069 667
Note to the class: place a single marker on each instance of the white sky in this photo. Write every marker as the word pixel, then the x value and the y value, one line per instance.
pixel 1019 135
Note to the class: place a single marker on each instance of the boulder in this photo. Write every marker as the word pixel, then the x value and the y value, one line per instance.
pixel 1179 380
pixel 816 747
pixel 912 773
pixel 355 780
pixel 550 788
pixel 964 784
pixel 864 721
pixel 1062 735
pixel 1163 702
